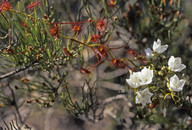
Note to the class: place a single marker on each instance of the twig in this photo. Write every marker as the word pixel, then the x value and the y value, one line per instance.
pixel 17 71
pixel 15 104
pixel 16 121
pixel 5 124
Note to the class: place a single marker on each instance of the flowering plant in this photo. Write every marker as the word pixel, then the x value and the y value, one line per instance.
pixel 146 90
pixel 91 57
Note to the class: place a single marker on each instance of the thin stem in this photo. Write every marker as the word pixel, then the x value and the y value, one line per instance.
pixel 16 71
pixel 97 62
pixel 77 22
pixel 6 20
pixel 131 62
pixel 80 43
pixel 15 11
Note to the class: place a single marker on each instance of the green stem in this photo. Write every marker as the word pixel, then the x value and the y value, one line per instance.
pixel 105 6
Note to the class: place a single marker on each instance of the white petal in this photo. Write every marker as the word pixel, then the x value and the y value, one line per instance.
pixel 176 84
pixel 158 48
pixel 175 64
pixel 132 83
pixel 129 82
pixel 171 61
pixel 156 45
pixel 177 89
pixel 175 78
pixel 179 69
pixel 143 97
pixel 146 76
pixel 182 66
pixel 182 82
pixel 178 61
pixel 163 48
pixel 159 41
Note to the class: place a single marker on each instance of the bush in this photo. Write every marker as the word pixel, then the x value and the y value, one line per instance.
pixel 89 55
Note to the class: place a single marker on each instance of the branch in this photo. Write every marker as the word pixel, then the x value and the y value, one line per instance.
pixel 15 104
pixel 17 71
pixel 34 63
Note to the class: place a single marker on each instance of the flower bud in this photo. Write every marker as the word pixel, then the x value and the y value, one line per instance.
pixel 160 73
pixel 115 18
pixel 29 101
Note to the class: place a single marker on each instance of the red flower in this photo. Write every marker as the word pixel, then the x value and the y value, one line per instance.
pixel 85 71
pixel 95 38
pixel 32 5
pixel 9 50
pixel 55 31
pixel 24 25
pixel 112 3
pixel 118 63
pixel 103 51
pixel 102 25
pixel 77 28
pixel 5 6
pixel 153 105
pixel 134 53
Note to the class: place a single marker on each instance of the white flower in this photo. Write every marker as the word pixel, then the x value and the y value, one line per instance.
pixel 176 84
pixel 146 76
pixel 175 64
pixel 134 80
pixel 148 53
pixel 143 97
pixel 157 47
pixel 140 78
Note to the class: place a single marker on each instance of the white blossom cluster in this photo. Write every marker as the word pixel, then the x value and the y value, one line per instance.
pixel 138 79
pixel 145 76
